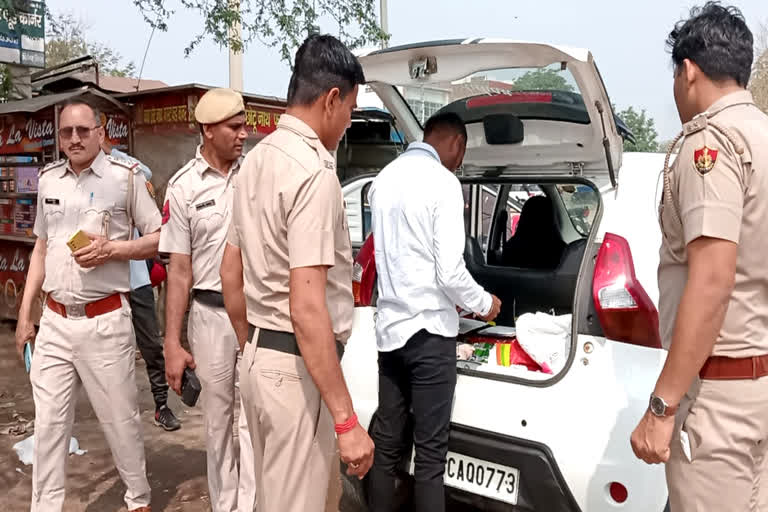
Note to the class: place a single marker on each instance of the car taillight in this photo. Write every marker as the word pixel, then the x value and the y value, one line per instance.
pixel 364 274
pixel 624 309
pixel 357 277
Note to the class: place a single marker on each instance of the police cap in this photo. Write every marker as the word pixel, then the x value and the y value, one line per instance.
pixel 218 105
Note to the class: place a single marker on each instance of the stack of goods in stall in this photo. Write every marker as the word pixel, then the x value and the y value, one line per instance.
pixel 7 179
pixel 24 216
pixel 6 216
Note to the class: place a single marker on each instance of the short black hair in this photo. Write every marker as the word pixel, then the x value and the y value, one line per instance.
pixel 449 121
pixel 717 39
pixel 323 62
pixel 85 103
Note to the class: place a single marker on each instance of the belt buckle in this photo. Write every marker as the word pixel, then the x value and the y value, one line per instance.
pixel 75 310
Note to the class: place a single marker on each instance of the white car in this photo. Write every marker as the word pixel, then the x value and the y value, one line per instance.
pixel 523 439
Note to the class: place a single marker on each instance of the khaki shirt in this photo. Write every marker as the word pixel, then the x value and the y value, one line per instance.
pixel 721 194
pixel 94 202
pixel 196 213
pixel 288 213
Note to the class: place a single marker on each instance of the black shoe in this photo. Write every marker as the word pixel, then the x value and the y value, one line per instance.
pixel 165 418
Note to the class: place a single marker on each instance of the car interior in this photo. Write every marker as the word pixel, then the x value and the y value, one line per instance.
pixel 536 267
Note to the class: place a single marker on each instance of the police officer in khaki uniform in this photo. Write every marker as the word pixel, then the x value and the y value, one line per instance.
pixel 287 271
pixel 196 214
pixel 712 279
pixel 86 337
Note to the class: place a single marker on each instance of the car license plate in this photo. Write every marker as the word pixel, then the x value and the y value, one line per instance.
pixel 482 477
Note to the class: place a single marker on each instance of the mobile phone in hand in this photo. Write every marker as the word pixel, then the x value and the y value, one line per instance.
pixel 190 387
pixel 28 355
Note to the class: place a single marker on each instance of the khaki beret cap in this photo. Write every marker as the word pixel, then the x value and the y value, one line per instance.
pixel 218 105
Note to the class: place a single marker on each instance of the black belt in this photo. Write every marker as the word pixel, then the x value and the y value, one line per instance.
pixel 282 341
pixel 208 297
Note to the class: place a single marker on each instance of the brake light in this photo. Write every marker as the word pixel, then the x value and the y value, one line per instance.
pixel 364 275
pixel 511 97
pixel 357 277
pixel 624 309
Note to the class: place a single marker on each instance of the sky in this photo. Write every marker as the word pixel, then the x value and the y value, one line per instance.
pixel 627 40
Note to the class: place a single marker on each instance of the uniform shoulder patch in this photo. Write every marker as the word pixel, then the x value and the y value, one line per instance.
pixel 704 159
pixel 132 166
pixel 52 165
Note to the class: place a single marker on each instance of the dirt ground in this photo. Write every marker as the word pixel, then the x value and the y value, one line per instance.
pixel 175 460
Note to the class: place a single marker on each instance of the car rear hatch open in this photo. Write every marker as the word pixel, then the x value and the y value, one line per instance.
pixel 528 107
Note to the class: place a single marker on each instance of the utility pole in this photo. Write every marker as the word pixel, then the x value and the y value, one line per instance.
pixel 384 17
pixel 235 57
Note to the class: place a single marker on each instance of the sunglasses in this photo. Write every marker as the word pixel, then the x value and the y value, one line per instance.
pixel 83 132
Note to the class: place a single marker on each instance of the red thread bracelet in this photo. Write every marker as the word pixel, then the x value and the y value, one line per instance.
pixel 343 428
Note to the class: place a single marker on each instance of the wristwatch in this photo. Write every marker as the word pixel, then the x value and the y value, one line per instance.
pixel 659 407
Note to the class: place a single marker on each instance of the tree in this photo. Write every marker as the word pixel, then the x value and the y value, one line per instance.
pixel 758 83
pixel 276 23
pixel 66 40
pixel 644 130
pixel 543 79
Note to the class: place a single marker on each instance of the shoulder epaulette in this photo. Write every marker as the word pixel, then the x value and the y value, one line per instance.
pixel 52 165
pixel 181 172
pixel 131 166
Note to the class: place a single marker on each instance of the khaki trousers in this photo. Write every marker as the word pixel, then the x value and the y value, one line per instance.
pixel 727 425
pixel 217 353
pixel 291 428
pixel 99 355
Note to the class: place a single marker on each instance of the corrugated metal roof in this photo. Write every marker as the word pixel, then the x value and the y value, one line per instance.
pixel 44 101
pixel 247 97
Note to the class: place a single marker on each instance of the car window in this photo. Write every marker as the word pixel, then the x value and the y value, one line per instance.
pixel 549 93
pixel 488 194
pixel 367 228
pixel 581 202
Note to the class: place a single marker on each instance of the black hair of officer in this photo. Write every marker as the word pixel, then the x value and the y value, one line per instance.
pixel 322 63
pixel 448 121
pixel 716 38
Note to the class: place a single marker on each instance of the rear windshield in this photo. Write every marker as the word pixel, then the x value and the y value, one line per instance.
pixel 548 93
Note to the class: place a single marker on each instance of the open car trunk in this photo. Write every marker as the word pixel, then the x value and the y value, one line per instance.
pixel 533 335
pixel 532 338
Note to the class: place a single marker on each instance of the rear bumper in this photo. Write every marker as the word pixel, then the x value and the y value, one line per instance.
pixel 542 486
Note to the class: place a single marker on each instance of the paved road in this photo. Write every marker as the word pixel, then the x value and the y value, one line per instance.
pixel 175 460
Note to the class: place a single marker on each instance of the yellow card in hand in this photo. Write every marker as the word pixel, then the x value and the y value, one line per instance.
pixel 78 241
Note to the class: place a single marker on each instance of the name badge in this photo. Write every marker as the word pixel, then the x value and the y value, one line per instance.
pixel 51 200
pixel 206 204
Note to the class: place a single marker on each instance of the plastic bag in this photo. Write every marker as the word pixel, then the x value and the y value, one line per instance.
pixel 25 449
pixel 546 338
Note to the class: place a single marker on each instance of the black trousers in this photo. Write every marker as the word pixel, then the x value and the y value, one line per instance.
pixel 421 376
pixel 149 342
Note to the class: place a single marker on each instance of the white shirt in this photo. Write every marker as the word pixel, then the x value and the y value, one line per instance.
pixel 418 229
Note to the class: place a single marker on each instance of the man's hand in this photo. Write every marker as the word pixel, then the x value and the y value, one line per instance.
pixel 176 360
pixel 25 331
pixel 651 438
pixel 356 451
pixel 98 252
pixel 494 312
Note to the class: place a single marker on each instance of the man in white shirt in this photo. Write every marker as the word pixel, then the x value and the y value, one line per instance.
pixel 419 243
